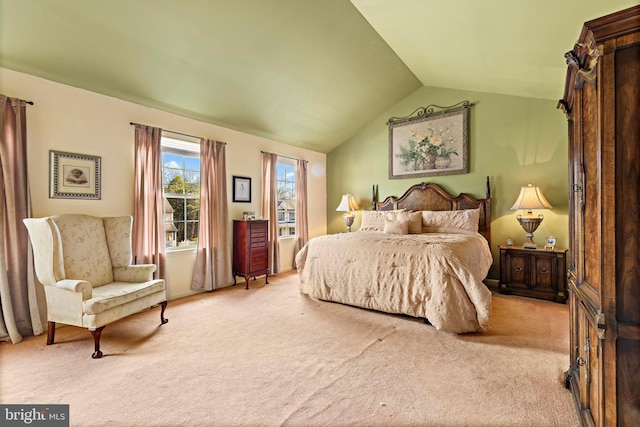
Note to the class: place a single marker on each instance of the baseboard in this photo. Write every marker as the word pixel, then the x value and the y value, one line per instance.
pixel 184 295
pixel 492 284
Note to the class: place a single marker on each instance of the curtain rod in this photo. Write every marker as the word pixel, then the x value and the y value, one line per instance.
pixel 286 157
pixel 174 132
pixel 21 100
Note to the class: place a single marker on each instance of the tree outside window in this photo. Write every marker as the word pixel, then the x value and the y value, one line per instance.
pixel 181 186
pixel 286 177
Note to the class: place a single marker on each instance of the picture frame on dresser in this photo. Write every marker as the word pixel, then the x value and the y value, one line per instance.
pixel 241 189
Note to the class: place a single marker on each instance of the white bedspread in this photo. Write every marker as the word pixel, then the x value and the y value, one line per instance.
pixel 432 275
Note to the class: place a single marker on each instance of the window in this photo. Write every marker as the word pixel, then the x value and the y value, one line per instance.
pixel 181 192
pixel 286 175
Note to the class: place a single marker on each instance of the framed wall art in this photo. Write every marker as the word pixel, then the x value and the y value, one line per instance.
pixel 430 142
pixel 241 189
pixel 74 176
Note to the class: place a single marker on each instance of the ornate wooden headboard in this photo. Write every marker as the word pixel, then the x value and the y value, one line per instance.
pixel 431 197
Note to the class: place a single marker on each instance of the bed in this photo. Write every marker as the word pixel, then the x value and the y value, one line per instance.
pixel 424 254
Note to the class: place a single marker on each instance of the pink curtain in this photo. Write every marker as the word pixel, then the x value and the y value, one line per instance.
pixel 213 258
pixel 302 222
pixel 148 214
pixel 19 313
pixel 270 207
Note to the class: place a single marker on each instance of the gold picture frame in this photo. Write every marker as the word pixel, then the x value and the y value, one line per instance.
pixel 74 176
pixel 430 143
pixel 551 243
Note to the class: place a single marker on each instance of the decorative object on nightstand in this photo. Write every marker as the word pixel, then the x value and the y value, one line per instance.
pixel 530 198
pixel 551 243
pixel 348 205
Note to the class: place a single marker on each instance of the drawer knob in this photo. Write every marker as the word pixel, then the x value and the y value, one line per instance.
pixel 544 270
pixel 517 268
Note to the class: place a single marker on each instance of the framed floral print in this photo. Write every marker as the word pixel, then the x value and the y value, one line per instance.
pixel 74 176
pixel 430 143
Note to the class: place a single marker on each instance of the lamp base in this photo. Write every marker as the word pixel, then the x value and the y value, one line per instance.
pixel 348 221
pixel 530 224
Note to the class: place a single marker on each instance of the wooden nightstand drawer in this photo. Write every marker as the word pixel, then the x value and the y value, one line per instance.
pixel 517 269
pixel 536 273
pixel 545 272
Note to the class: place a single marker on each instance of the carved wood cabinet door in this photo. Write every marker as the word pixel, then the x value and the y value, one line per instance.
pixel 602 105
pixel 585 268
pixel 586 364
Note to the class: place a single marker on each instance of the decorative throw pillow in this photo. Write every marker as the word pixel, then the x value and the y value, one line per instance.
pixel 450 221
pixel 415 220
pixel 374 220
pixel 396 226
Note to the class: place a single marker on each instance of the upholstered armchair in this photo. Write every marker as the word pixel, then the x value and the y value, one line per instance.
pixel 84 263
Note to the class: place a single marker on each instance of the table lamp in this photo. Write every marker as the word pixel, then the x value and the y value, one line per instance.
pixel 530 198
pixel 348 205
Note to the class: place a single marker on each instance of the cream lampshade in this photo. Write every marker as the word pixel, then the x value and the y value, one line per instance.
pixel 348 205
pixel 530 198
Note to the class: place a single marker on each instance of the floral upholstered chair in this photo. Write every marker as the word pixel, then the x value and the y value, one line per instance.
pixel 84 263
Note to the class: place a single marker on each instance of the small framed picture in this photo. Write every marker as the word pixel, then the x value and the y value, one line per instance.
pixel 73 176
pixel 241 189
pixel 551 243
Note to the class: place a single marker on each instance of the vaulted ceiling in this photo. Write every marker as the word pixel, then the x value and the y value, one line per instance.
pixel 309 73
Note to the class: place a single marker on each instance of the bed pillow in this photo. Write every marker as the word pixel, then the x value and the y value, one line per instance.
pixel 396 226
pixel 465 220
pixel 374 220
pixel 415 220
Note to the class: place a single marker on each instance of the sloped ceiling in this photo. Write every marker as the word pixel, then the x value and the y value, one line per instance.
pixel 309 73
pixel 498 46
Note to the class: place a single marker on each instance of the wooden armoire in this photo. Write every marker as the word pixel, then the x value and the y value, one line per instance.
pixel 602 105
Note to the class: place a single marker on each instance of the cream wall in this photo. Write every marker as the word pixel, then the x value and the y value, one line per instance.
pixel 65 118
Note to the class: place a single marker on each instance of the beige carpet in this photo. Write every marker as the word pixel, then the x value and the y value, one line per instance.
pixel 270 356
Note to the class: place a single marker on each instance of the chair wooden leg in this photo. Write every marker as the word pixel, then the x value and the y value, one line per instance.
pixel 162 319
pixel 51 332
pixel 97 354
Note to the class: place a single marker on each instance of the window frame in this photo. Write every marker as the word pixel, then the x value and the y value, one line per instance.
pixel 183 148
pixel 285 230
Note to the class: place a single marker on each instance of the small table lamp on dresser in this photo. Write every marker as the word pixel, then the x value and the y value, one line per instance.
pixel 530 198
pixel 348 205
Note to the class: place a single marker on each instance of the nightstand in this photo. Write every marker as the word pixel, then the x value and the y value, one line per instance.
pixel 538 273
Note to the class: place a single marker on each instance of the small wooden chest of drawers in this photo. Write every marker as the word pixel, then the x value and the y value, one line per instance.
pixel 250 249
pixel 537 273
